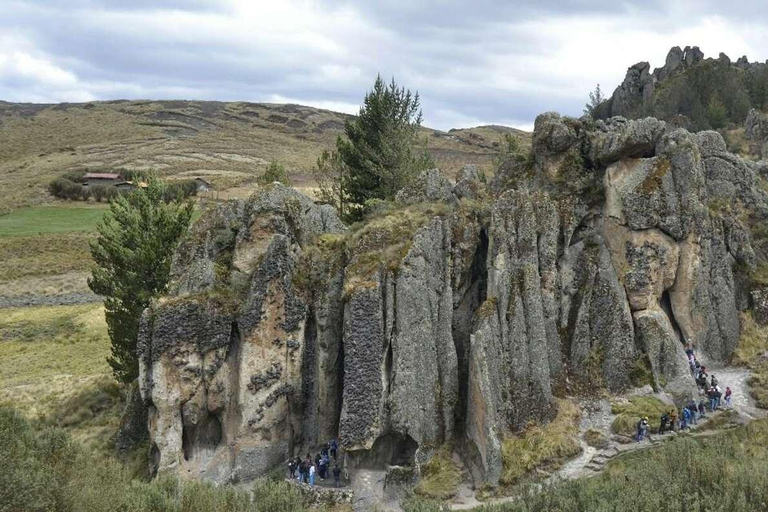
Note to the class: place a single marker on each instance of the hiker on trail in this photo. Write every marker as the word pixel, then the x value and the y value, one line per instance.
pixel 728 396
pixel 336 476
pixel 302 472
pixel 686 421
pixel 326 462
pixel 663 423
pixel 642 428
pixel 712 399
pixel 334 448
pixel 291 469
pixel 714 381
pixel 702 408
pixel 312 474
pixel 672 420
pixel 321 468
pixel 718 396
pixel 692 410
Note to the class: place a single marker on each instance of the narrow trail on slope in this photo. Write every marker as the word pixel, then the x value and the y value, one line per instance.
pixel 596 415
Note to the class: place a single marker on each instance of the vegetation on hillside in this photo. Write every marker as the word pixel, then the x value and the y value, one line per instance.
pixel 228 144
pixel 546 446
pixel 710 94
pixel 44 469
pixel 49 354
pixel 720 473
pixel 440 477
pixel 628 413
pixel 133 254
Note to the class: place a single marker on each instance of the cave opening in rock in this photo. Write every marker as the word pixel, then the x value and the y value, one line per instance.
pixel 666 306
pixel 391 449
pixel 474 294
pixel 201 437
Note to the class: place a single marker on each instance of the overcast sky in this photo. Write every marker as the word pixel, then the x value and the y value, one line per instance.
pixel 473 62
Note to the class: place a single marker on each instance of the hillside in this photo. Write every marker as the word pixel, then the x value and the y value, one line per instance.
pixel 228 143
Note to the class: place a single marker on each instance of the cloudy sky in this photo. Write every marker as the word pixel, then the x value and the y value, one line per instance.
pixel 474 62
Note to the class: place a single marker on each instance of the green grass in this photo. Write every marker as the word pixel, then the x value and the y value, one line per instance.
pixel 440 477
pixel 44 255
pixel 39 220
pixel 548 446
pixel 629 412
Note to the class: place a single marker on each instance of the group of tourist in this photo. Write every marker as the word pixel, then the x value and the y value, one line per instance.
pixel 693 411
pixel 306 470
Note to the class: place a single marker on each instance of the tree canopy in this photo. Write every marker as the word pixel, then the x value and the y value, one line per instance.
pixel 133 252
pixel 379 153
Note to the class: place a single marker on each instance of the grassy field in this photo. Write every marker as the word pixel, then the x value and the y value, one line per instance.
pixel 59 218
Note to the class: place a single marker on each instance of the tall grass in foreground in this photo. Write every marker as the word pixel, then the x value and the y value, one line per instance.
pixel 45 470
pixel 723 473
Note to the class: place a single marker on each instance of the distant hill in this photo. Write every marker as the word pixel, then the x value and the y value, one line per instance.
pixel 227 143
pixel 691 91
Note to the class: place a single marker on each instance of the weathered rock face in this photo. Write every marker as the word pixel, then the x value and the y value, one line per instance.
pixel 230 364
pixel 457 314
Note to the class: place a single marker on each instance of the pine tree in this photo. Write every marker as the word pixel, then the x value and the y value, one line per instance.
pixel 380 148
pixel 596 97
pixel 133 252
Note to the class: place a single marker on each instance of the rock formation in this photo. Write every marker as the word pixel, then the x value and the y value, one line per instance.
pixel 457 313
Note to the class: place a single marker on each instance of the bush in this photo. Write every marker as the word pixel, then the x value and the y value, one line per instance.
pixel 45 470
pixel 274 172
pixel 67 189
pixel 99 192
pixel 180 190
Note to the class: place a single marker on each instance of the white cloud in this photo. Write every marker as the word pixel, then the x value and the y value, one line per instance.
pixel 489 64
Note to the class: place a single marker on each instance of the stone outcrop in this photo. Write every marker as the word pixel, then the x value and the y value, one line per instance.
pixel 460 313
pixel 635 97
pixel 230 364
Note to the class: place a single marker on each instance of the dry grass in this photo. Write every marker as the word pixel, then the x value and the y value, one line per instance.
pixel 629 412
pixel 596 439
pixel 228 143
pixel 440 477
pixel 47 354
pixel 752 352
pixel 548 446
pixel 47 255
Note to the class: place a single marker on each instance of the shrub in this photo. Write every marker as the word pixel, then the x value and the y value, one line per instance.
pixel 274 172
pixel 67 189
pixel 99 192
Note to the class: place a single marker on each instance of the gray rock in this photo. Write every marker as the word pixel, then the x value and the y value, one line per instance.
pixel 619 139
pixel 429 186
